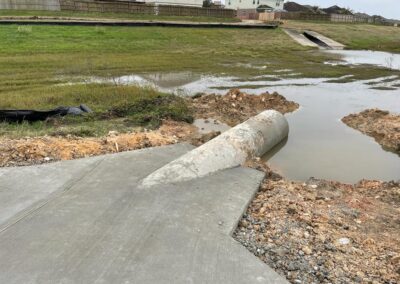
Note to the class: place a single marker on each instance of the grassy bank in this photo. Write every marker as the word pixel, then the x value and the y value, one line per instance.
pixel 118 16
pixel 39 55
pixel 119 108
pixel 360 36
pixel 37 63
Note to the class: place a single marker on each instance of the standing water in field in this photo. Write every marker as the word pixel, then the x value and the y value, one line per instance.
pixel 319 144
pixel 357 57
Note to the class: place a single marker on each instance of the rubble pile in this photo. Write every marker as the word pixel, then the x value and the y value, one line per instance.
pixel 325 232
pixel 236 106
pixel 379 124
pixel 38 150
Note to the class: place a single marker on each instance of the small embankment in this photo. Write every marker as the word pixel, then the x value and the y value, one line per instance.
pixel 231 108
pixel 381 125
pixel 325 232
pixel 235 107
pixel 39 150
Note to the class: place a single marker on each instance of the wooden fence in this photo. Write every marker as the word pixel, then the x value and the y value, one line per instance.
pixel 337 18
pixel 142 8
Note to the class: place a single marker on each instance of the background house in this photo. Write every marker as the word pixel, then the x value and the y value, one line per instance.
pixel 266 5
pixel 188 3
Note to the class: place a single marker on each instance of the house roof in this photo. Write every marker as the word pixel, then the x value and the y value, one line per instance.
pixel 295 7
pixel 337 10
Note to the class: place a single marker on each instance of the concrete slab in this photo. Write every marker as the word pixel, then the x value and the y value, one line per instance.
pixel 300 38
pixel 101 228
pixel 328 41
pixel 25 189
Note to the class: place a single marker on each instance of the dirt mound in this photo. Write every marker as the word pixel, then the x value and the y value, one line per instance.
pixel 232 108
pixel 381 125
pixel 325 232
pixel 236 106
pixel 39 150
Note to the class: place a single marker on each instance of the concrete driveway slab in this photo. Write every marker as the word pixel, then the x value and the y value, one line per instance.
pixel 105 229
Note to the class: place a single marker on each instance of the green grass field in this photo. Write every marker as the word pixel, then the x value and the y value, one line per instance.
pixel 38 62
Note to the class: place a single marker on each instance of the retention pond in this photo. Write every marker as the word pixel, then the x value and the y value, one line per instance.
pixel 319 144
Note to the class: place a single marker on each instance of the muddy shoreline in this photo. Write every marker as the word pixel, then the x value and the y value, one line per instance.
pixel 314 232
pixel 379 124
pixel 231 108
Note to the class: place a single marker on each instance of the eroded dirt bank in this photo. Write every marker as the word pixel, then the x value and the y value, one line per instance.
pixel 381 125
pixel 232 108
pixel 325 232
pixel 236 106
pixel 37 150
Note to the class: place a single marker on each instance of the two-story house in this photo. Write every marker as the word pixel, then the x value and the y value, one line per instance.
pixel 266 5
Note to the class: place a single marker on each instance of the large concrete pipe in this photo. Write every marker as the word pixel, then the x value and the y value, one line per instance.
pixel 252 138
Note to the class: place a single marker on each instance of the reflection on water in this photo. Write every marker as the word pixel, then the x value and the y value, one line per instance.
pixel 378 58
pixel 171 80
pixel 268 156
pixel 162 81
pixel 319 144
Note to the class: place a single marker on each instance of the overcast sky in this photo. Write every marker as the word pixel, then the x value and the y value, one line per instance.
pixel 386 8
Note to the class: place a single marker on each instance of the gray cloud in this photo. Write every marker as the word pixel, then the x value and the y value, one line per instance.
pixel 386 8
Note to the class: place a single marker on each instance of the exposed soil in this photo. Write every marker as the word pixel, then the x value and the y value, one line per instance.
pixel 236 106
pixel 28 151
pixel 325 232
pixel 379 124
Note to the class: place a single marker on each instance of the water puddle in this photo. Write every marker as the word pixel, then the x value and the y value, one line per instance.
pixel 319 144
pixel 358 57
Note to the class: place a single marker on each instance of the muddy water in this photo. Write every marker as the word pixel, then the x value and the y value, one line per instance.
pixel 319 144
pixel 357 57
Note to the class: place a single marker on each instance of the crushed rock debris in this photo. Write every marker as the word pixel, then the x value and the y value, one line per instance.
pixel 323 231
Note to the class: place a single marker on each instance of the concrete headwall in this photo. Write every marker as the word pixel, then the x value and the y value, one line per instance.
pixel 51 5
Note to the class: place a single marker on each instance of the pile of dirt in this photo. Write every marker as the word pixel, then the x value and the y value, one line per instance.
pixel 325 232
pixel 28 151
pixel 236 106
pixel 379 124
pixel 233 108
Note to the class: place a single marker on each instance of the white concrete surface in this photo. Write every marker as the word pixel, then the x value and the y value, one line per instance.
pixel 252 138
pixel 328 41
pixel 101 228
pixel 300 38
